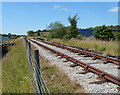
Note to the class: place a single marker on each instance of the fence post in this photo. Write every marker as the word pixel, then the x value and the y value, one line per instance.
pixel 37 69
pixel 29 45
pixel 36 54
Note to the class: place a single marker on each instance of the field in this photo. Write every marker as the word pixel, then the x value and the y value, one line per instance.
pixel 111 47
pixel 15 72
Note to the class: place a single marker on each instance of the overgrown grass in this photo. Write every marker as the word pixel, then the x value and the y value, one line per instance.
pixel 15 73
pixel 56 81
pixel 110 47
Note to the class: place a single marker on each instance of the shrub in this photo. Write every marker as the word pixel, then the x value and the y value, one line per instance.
pixel 103 33
pixel 79 37
pixel 116 35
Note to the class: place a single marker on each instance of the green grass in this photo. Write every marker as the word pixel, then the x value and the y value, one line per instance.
pixel 110 47
pixel 56 80
pixel 15 72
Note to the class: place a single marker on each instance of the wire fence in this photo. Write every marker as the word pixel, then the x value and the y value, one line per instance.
pixel 39 84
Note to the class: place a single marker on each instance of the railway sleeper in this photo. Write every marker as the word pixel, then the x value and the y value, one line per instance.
pixel 87 56
pixel 93 63
pixel 118 88
pixel 118 67
pixel 74 65
pixel 65 61
pixel 94 58
pixel 81 54
pixel 97 81
pixel 83 72
pixel 106 61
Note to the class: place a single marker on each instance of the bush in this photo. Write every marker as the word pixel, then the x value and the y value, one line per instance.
pixel 116 35
pixel 79 37
pixel 44 36
pixel 49 37
pixel 30 33
pixel 103 33
pixel 67 37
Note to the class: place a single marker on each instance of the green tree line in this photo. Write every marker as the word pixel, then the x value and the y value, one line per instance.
pixel 11 36
pixel 58 30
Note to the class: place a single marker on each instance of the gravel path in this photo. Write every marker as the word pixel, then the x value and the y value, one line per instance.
pixel 73 73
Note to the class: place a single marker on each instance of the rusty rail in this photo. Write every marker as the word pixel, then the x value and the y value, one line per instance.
pixel 87 67
pixel 83 52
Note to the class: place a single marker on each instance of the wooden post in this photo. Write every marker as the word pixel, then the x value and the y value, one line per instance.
pixel 36 55
pixel 29 45
pixel 37 69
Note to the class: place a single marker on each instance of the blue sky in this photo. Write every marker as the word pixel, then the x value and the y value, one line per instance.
pixel 19 17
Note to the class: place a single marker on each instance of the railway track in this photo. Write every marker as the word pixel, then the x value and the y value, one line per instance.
pixel 104 58
pixel 102 74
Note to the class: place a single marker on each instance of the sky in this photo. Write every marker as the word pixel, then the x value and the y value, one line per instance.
pixel 20 17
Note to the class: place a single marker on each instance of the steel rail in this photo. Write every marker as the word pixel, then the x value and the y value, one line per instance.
pixel 83 52
pixel 101 74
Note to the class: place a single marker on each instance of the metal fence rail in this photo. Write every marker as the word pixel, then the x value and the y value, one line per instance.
pixel 39 84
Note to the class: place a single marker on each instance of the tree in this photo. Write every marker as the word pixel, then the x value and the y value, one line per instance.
pixel 9 35
pixel 30 33
pixel 57 30
pixel 55 25
pixel 103 33
pixel 116 35
pixel 73 32
pixel 73 21
pixel 107 34
pixel 45 30
pixel 38 31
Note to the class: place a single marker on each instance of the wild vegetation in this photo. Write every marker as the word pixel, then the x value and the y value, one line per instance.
pixel 35 33
pixel 111 47
pixel 15 73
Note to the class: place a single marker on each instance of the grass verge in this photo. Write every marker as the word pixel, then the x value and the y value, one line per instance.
pixel 56 81
pixel 15 73
pixel 110 47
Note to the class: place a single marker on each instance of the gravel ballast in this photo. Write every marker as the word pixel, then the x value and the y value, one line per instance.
pixel 73 73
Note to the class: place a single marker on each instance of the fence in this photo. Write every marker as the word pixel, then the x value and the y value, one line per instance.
pixel 39 84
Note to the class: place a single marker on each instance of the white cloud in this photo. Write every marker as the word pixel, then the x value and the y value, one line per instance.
pixel 56 6
pixel 114 9
pixel 60 7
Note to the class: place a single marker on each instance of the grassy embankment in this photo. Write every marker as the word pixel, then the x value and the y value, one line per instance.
pixel 15 72
pixel 110 47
